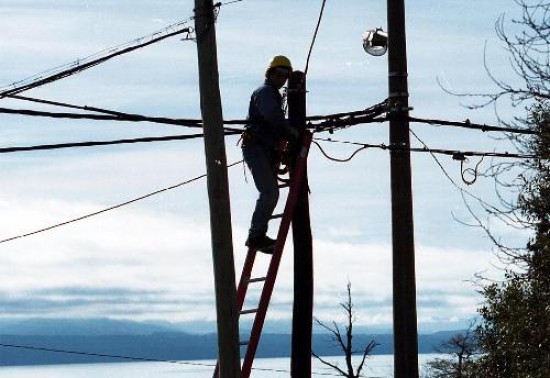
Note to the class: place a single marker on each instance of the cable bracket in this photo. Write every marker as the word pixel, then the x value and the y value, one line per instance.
pixel 398 74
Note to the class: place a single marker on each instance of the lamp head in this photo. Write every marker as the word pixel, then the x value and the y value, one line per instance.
pixel 375 42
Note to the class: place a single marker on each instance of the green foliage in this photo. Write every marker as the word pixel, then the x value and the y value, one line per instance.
pixel 515 332
pixel 449 368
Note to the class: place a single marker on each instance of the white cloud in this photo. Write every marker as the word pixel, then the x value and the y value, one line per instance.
pixel 154 257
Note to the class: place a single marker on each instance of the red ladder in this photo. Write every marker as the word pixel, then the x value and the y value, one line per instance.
pixel 269 280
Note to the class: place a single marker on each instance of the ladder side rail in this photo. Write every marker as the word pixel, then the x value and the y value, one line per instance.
pixel 277 254
pixel 245 277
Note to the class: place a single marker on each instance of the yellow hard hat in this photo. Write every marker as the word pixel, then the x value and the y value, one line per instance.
pixel 278 61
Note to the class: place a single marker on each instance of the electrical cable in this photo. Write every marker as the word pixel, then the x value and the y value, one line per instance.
pixel 45 147
pixel 320 123
pixel 62 104
pixel 119 115
pixel 331 122
pixel 230 2
pixel 314 36
pixel 317 123
pixel 345 160
pixel 134 358
pixel 328 122
pixel 95 59
pixel 469 125
pixel 93 354
pixel 338 121
pixel 373 110
pixel 116 116
pixel 122 204
pixel 453 182
pixel 456 154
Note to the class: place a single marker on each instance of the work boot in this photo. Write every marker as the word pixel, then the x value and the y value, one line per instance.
pixel 261 243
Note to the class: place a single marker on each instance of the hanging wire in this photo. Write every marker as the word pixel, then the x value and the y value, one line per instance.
pixel 440 151
pixel 134 358
pixel 118 206
pixel 462 191
pixel 345 160
pixel 314 36
pixel 471 171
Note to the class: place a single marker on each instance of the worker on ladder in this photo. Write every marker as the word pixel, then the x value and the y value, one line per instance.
pixel 267 127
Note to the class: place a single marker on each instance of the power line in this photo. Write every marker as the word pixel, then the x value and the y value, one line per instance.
pixel 116 116
pixel 93 354
pixel 462 190
pixel 61 104
pixel 95 59
pixel 135 358
pixel 470 125
pixel 228 2
pixel 111 115
pixel 315 35
pixel 46 147
pixel 119 115
pixel 345 160
pixel 456 154
pixel 319 123
pixel 330 123
pixel 338 121
pixel 90 215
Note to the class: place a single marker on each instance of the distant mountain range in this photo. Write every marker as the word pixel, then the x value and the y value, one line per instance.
pixel 63 341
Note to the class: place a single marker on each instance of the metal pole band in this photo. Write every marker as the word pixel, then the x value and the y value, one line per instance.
pixel 399 94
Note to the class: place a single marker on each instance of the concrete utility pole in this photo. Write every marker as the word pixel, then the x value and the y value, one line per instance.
pixel 302 316
pixel 218 191
pixel 405 332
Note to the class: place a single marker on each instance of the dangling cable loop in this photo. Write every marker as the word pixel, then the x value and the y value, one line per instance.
pixel 471 171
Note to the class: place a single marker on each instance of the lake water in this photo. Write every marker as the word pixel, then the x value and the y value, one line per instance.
pixel 377 366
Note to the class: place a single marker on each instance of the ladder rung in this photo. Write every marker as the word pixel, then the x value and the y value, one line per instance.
pixel 252 311
pixel 244 342
pixel 275 216
pixel 258 279
pixel 284 185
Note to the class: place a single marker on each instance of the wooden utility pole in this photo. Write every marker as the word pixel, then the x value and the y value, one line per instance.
pixel 218 191
pixel 303 249
pixel 405 332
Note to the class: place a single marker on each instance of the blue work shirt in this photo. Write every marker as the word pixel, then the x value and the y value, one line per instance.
pixel 266 117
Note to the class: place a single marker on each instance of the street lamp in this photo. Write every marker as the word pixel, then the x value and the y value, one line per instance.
pixel 375 42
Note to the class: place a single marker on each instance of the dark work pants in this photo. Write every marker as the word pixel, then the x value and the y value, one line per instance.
pixel 260 159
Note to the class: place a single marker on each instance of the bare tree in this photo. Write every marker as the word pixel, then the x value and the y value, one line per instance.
pixel 527 40
pixel 461 349
pixel 344 340
pixel 514 331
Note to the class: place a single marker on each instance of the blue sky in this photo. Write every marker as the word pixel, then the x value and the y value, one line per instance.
pixel 152 260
